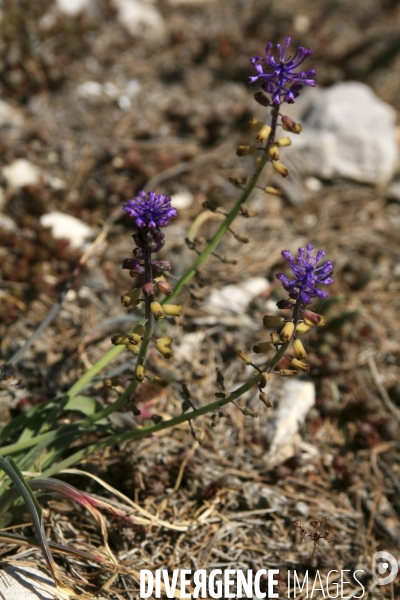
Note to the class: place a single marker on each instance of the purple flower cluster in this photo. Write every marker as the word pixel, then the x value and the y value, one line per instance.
pixel 151 212
pixel 281 81
pixel 307 275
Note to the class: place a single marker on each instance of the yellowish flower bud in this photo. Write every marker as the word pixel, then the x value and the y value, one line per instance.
pixel 133 349
pixel 287 332
pixel 273 152
pixel 302 328
pixel 264 398
pixel 243 357
pixel 140 373
pixel 273 321
pixel 300 365
pixel 255 124
pixel 163 346
pixel 280 168
pixel 119 340
pixel 288 373
pixel 246 150
pixel 157 311
pixel 275 338
pixel 173 310
pixel 273 191
pixel 262 347
pixel 263 133
pixel 299 349
pixel 136 335
pixel 131 298
pixel 283 141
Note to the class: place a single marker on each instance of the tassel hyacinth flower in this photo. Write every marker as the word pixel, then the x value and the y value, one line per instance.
pixel 150 212
pixel 307 275
pixel 281 80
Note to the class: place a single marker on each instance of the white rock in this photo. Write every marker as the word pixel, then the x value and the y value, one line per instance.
pixel 21 172
pixel 89 89
pixel 348 132
pixel 182 200
pixel 124 102
pixel 7 223
pixel 27 583
pixel 67 226
pixel 73 7
pixel 133 87
pixel 235 298
pixel 10 116
pixel 140 18
pixel 297 398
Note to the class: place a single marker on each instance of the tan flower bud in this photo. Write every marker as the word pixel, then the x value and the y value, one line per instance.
pixel 255 124
pixel 245 150
pixel 173 310
pixel 239 181
pixel 119 340
pixel 131 298
pixel 248 412
pixel 157 381
pixel 288 372
pixel 289 125
pixel 241 238
pixel 263 380
pixel 273 191
pixel 281 169
pixel 229 261
pixel 140 373
pixel 245 212
pixel 287 332
pixel 112 382
pixel 273 321
pixel 163 286
pixel 273 152
pixel 243 357
pixel 302 328
pixel 314 319
pixel 263 134
pixel 299 349
pixel 264 398
pixel 262 347
pixel 157 311
pixel 283 141
pixel 300 365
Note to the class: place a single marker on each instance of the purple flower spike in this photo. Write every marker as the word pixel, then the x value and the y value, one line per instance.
pixel 151 212
pixel 280 80
pixel 307 275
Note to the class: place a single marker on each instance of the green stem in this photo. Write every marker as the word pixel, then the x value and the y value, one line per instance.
pixel 141 432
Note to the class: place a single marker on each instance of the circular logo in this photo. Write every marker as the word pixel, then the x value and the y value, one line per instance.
pixel 384 568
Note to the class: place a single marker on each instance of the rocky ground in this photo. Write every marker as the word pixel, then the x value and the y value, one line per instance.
pixel 100 99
